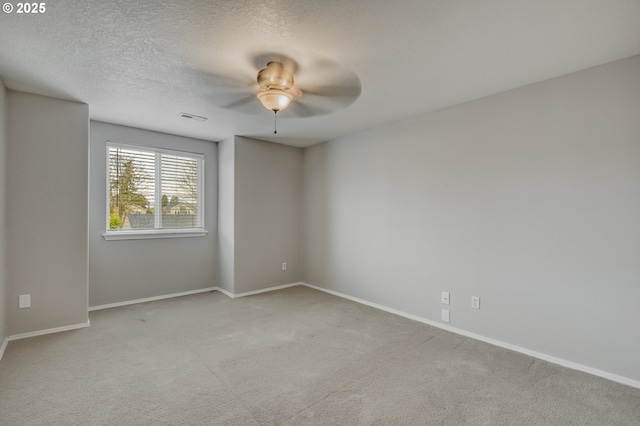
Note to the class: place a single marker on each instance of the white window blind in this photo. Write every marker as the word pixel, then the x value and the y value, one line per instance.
pixel 153 190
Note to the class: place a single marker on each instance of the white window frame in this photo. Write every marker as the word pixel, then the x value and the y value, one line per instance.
pixel 140 234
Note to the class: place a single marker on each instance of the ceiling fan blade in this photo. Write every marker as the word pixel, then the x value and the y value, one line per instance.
pixel 210 79
pixel 327 87
pixel 333 91
pixel 228 92
pixel 302 109
pixel 239 102
pixel 325 103
pixel 327 73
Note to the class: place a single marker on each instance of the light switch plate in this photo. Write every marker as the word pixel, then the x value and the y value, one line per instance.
pixel 444 297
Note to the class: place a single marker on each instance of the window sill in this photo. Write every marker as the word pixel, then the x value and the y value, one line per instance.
pixel 153 234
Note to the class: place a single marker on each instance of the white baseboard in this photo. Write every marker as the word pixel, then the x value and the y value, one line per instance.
pixel 225 292
pixel 262 290
pixel 151 299
pixel 549 358
pixel 5 342
pixel 48 331
pixel 186 293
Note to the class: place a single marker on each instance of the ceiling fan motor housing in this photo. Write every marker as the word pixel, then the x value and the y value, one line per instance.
pixel 275 76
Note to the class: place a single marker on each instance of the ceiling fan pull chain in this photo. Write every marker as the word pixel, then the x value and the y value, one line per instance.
pixel 275 121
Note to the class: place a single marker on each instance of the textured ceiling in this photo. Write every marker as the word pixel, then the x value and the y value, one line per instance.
pixel 141 63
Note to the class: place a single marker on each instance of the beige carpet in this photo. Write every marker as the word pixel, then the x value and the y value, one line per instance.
pixel 291 357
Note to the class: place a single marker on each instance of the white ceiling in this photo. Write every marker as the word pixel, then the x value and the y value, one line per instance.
pixel 141 63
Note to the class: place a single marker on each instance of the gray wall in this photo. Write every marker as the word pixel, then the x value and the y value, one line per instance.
pixel 226 211
pixel 126 270
pixel 3 143
pixel 268 214
pixel 529 199
pixel 46 211
pixel 260 214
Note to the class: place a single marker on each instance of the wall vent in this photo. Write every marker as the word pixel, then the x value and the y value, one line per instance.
pixel 192 116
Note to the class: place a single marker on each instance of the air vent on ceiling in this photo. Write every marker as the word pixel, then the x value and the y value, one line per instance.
pixel 192 116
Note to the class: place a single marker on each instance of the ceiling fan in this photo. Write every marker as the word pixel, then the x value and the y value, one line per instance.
pixel 311 88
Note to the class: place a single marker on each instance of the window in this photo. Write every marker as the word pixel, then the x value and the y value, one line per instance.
pixel 153 193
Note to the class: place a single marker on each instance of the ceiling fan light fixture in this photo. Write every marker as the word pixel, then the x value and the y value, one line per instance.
pixel 275 99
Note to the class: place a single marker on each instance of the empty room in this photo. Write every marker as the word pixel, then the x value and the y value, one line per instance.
pixel 320 212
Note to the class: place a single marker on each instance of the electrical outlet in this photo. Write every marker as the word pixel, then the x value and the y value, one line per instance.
pixel 444 297
pixel 24 301
pixel 475 302
pixel 284 266
pixel 445 315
